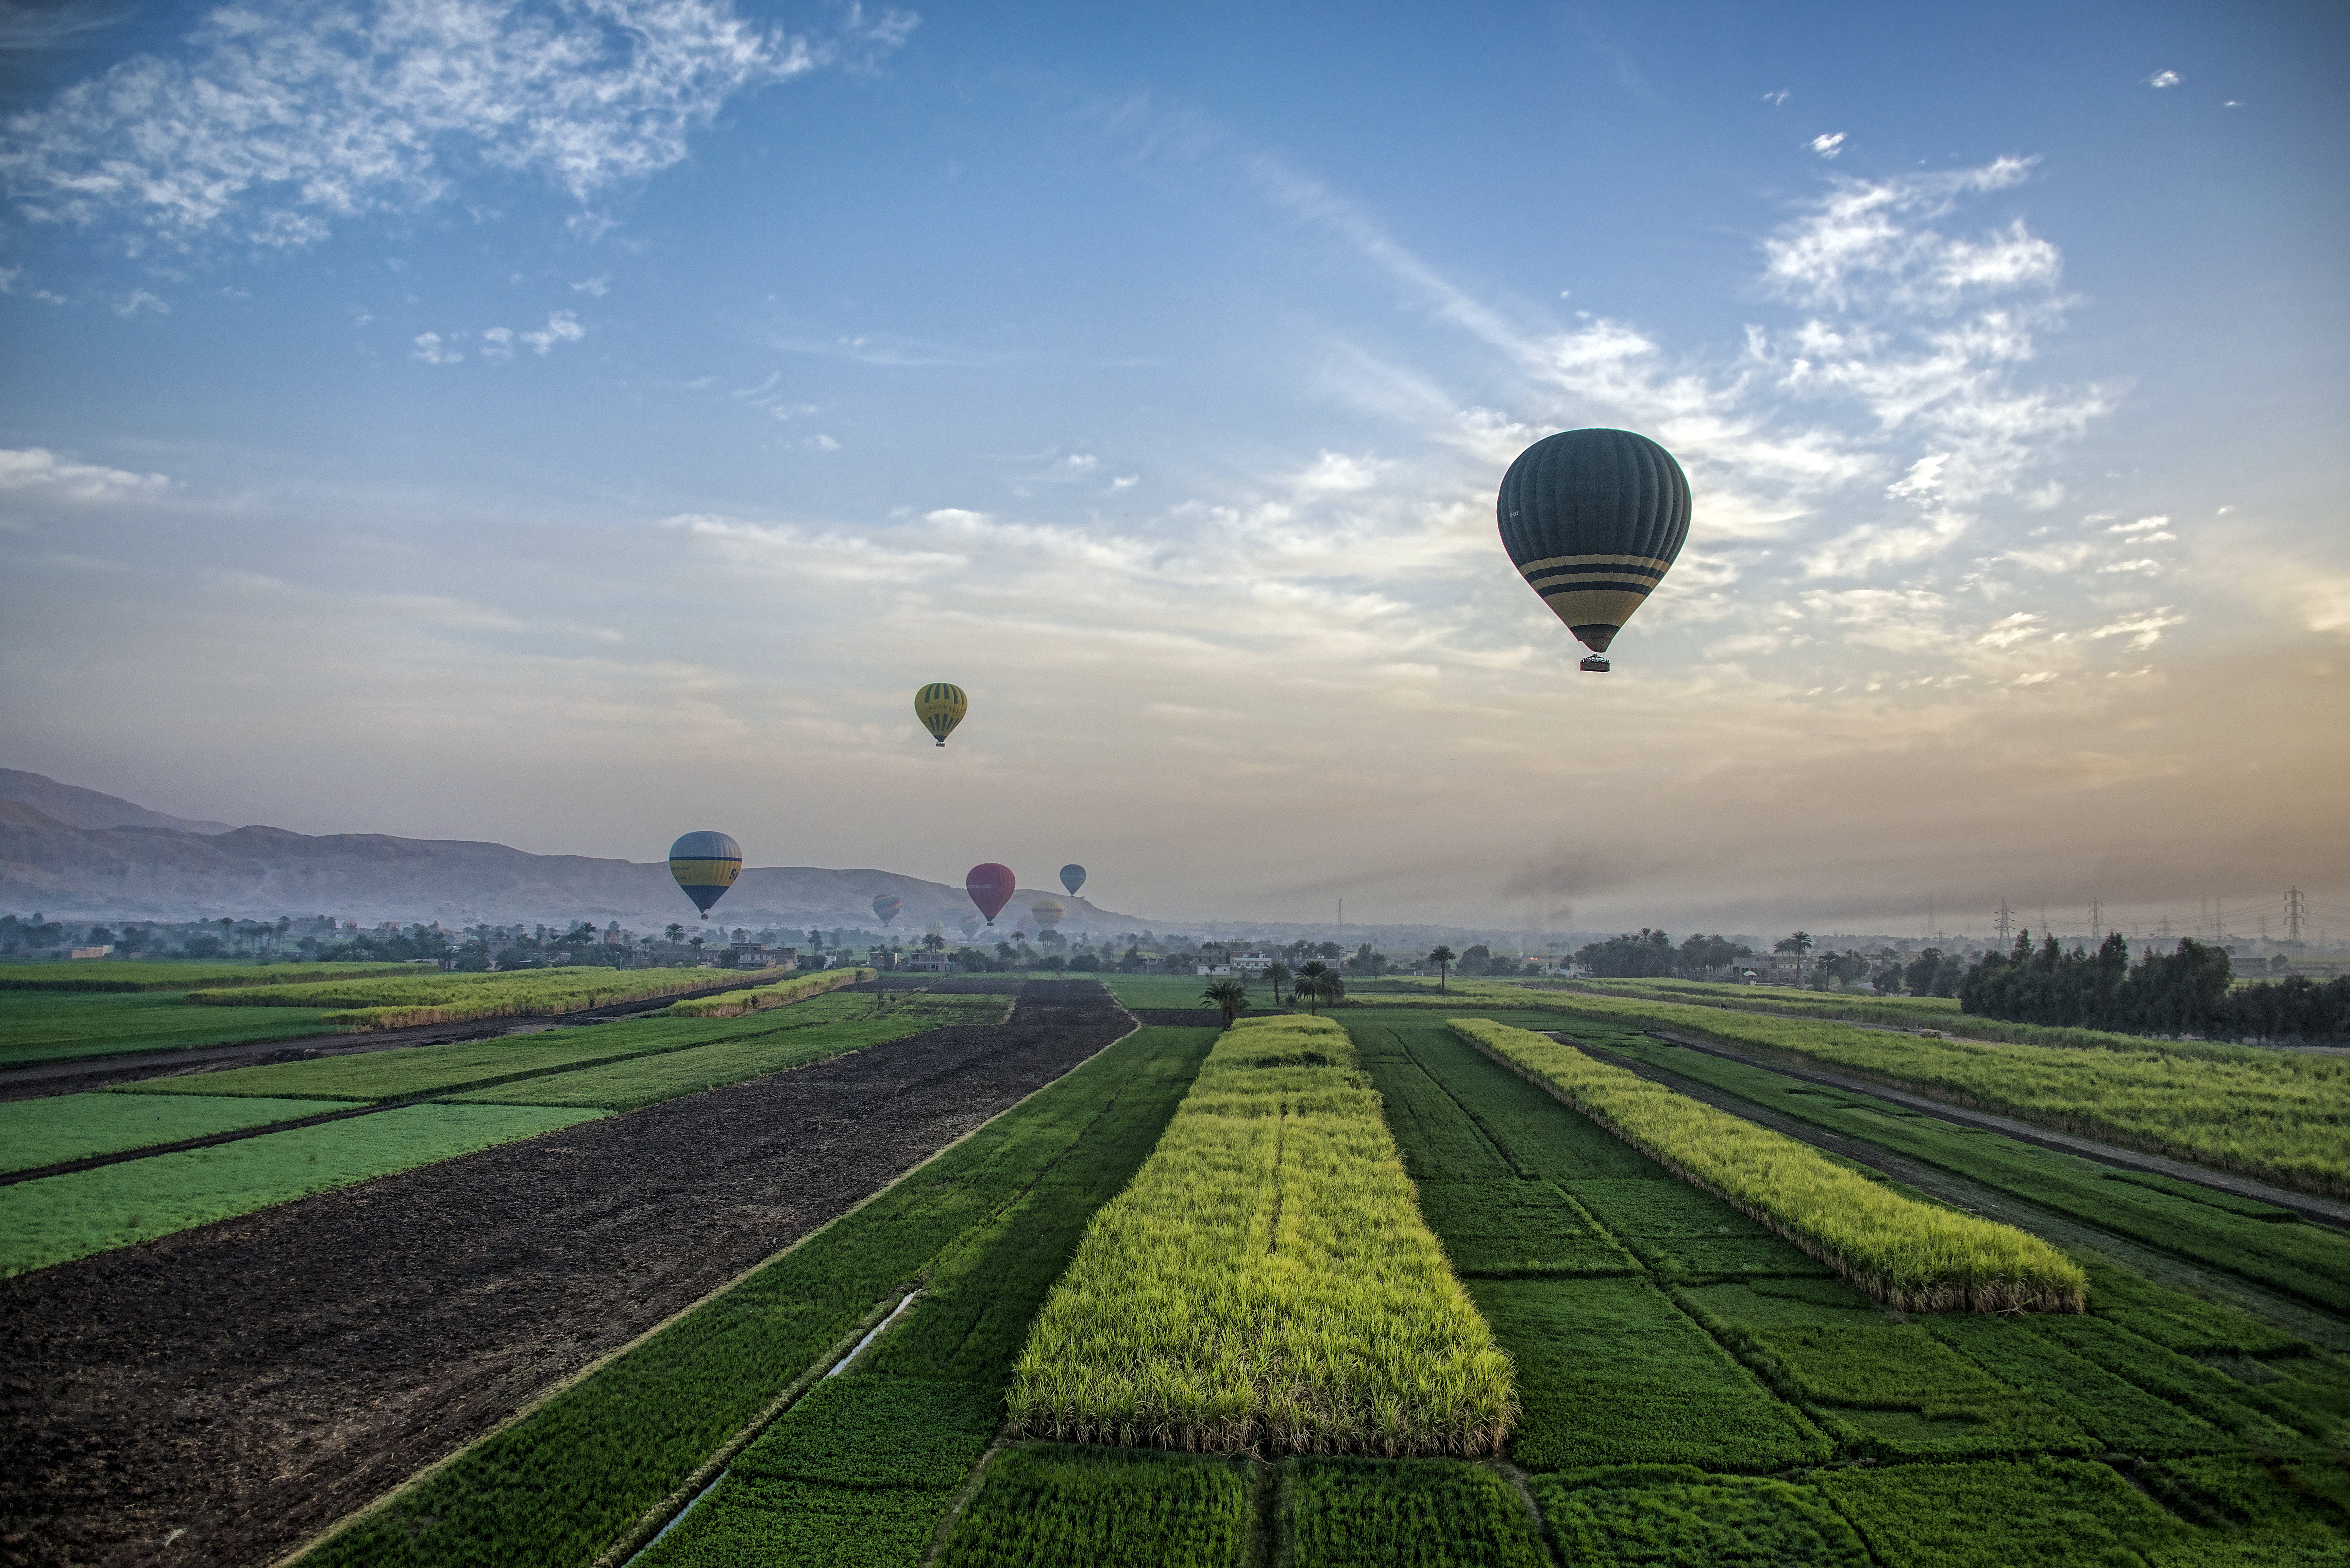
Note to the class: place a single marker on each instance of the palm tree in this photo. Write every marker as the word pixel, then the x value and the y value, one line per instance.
pixel 1798 944
pixel 675 932
pixel 1276 975
pixel 1441 957
pixel 1230 995
pixel 1318 984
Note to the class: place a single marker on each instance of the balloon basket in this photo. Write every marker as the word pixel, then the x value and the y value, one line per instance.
pixel 1596 665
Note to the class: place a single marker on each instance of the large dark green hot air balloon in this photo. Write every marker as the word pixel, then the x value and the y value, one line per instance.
pixel 705 865
pixel 1593 519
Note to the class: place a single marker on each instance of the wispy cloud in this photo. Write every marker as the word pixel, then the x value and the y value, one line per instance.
pixel 283 117
pixel 1828 146
pixel 38 469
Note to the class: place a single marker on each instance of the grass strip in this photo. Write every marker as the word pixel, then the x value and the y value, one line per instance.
pixel 43 1026
pixel 54 1218
pixel 2282 1116
pixel 411 1000
pixel 1266 1281
pixel 1911 1255
pixel 1999 1513
pixel 735 1003
pixel 2255 1240
pixel 579 1471
pixel 133 974
pixel 62 1128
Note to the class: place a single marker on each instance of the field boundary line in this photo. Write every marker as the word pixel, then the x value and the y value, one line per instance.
pixel 535 1403
pixel 963 1496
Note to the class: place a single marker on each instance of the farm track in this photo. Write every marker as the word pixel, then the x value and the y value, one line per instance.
pixel 39 1079
pixel 2308 1205
pixel 250 1382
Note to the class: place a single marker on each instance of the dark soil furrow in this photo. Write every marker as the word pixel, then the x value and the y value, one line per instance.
pixel 250 1382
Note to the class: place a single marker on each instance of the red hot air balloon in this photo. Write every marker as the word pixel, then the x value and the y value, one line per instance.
pixel 989 887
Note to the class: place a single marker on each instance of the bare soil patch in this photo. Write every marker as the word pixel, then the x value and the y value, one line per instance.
pixel 246 1384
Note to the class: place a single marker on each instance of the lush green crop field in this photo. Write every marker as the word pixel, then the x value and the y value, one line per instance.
pixel 1047 1506
pixel 437 998
pixel 65 1026
pixel 1174 990
pixel 1917 1256
pixel 897 1434
pixel 1765 1370
pixel 164 974
pixel 35 1133
pixel 1306 1308
pixel 576 1473
pixel 2280 1115
pixel 56 1218
pixel 2261 1242
pixel 649 1079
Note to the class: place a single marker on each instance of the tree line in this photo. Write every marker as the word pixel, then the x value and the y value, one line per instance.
pixel 2189 992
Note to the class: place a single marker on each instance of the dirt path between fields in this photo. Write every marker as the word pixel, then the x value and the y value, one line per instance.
pixel 233 1389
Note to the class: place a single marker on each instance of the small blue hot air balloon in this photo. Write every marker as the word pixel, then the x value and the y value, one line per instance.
pixel 1072 876
pixel 705 865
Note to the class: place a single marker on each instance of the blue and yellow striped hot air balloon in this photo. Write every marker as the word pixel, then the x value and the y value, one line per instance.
pixel 705 865
pixel 940 707
pixel 1592 520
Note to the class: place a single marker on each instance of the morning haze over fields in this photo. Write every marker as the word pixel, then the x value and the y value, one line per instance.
pixel 844 784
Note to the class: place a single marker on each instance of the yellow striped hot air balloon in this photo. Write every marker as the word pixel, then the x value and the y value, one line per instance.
pixel 940 707
pixel 1048 912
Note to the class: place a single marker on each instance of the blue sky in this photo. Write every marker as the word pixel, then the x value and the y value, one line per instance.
pixel 569 423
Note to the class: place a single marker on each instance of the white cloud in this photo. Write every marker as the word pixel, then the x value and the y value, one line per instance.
pixel 284 115
pixel 432 351
pixel 2142 525
pixel 139 299
pixel 1124 482
pixel 597 288
pixel 2007 632
pixel 1826 146
pixel 2163 79
pixel 38 469
pixel 2150 567
pixel 1777 98
pixel 562 327
pixel 2143 630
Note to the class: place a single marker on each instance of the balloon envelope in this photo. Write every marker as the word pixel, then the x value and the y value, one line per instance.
pixel 1593 519
pixel 989 887
pixel 1047 912
pixel 1072 876
pixel 971 924
pixel 940 707
pixel 886 906
pixel 705 865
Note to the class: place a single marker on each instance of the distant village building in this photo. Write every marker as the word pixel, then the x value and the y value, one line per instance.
pixel 91 952
pixel 1254 965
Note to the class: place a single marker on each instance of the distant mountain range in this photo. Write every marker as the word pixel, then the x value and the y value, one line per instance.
pixel 76 853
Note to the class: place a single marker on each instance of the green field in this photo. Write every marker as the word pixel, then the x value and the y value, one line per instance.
pixel 2268 1245
pixel 64 1026
pixel 1309 1309
pixel 180 974
pixel 759 998
pixel 988 1222
pixel 51 1131
pixel 54 1218
pixel 647 1080
pixel 1920 1256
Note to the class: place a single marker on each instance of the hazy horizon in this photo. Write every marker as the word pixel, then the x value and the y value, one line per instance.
pixel 568 427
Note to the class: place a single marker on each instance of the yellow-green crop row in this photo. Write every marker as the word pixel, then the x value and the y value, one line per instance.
pixel 402 1002
pixel 1266 1281
pixel 1911 1255
pixel 2282 1116
pixel 735 1003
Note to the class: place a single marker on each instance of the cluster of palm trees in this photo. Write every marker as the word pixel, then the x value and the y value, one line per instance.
pixel 1314 982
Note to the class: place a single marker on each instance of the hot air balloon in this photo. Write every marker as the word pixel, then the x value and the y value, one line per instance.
pixel 1047 912
pixel 933 929
pixel 1593 519
pixel 1072 876
pixel 970 925
pixel 940 707
pixel 886 906
pixel 991 888
pixel 705 865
